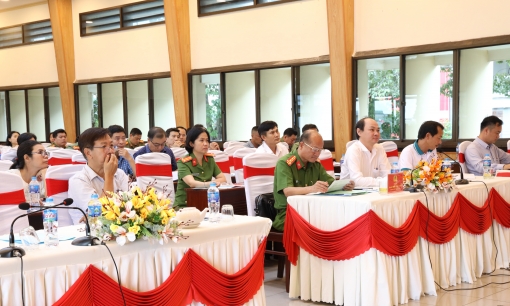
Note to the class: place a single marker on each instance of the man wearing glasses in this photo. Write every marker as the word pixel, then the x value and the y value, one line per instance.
pixel 300 173
pixel 126 161
pixel 156 143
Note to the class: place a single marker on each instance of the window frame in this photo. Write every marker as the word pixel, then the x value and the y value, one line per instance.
pixel 23 43
pixel 255 4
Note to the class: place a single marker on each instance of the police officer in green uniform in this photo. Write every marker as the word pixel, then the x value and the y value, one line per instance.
pixel 306 127
pixel 198 168
pixel 299 173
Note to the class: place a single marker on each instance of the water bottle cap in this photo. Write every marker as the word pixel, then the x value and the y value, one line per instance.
pixel 34 178
pixel 213 184
pixel 49 200
pixel 94 196
pixel 487 154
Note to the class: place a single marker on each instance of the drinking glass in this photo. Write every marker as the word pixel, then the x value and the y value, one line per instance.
pixel 227 212
pixel 383 185
pixel 29 237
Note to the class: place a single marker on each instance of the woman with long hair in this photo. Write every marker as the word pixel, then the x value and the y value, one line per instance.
pixel 12 139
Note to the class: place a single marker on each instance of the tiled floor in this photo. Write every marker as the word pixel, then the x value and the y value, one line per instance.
pixel 491 295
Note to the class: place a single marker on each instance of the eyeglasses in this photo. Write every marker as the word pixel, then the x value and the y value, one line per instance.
pixel 105 147
pixel 42 152
pixel 157 145
pixel 314 150
pixel 120 138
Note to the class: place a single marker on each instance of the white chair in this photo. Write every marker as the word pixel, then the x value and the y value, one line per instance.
pixel 326 159
pixel 61 157
pixel 391 151
pixel 78 158
pixel 350 143
pixel 179 153
pixel 258 177
pixel 508 146
pixel 137 148
pixel 57 185
pixel 155 167
pixel 10 154
pixel 12 193
pixel 221 159
pixel 46 144
pixel 227 144
pixel 5 165
pixel 230 151
pixel 238 156
pixel 462 157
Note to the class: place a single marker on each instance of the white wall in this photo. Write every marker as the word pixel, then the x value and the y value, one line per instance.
pixel 29 64
pixel 398 23
pixel 285 31
pixel 126 52
pixel 240 103
pixel 276 97
pixel 164 112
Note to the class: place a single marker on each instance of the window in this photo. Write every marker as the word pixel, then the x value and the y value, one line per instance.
pixel 87 111
pixel 3 116
pixel 29 33
pixel 18 113
pixel 207 103
pixel 164 114
pixel 138 105
pixel 276 96
pixel 35 102
pixel 208 7
pixel 55 108
pixel 127 16
pixel 240 103
pixel 112 104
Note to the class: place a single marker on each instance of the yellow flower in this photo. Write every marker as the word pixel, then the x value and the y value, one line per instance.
pixel 137 202
pixel 104 201
pixel 164 221
pixel 170 213
pixel 144 212
pixel 110 215
pixel 134 229
pixel 114 228
pixel 116 209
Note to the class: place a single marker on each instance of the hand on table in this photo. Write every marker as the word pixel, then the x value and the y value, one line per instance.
pixel 320 186
pixel 349 186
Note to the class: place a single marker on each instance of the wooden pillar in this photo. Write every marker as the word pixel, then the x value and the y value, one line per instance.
pixel 62 28
pixel 178 40
pixel 341 48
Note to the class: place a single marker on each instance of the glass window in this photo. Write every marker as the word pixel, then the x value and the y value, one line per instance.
pixel 138 106
pixel 3 116
pixel 100 21
pixel 429 87
pixel 378 94
pixel 37 31
pixel 36 113
pixel 484 89
pixel 240 104
pixel 18 111
pixel 143 13
pixel 164 113
pixel 88 106
pixel 11 36
pixel 113 105
pixel 209 6
pixel 55 109
pixel 276 96
pixel 314 99
pixel 207 104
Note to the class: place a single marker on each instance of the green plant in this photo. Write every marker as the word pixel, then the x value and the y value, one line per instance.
pixel 213 119
pixel 385 85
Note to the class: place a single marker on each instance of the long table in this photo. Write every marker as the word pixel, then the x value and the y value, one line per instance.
pixel 374 278
pixel 143 266
pixel 197 197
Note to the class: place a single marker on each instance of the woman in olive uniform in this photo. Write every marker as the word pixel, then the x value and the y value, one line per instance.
pixel 198 168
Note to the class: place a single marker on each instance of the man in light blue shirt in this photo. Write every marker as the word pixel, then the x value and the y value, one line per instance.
pixel 490 129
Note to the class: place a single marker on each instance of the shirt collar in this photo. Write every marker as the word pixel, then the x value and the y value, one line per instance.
pixel 482 143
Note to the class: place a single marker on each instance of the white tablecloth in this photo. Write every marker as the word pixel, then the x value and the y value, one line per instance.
pixel 374 278
pixel 49 272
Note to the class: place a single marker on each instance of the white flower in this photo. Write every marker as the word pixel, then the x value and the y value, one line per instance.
pixel 121 239
pixel 426 168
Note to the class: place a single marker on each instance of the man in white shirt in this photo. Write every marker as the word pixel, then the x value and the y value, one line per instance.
pixel 268 131
pixel 100 174
pixel 424 148
pixel 365 161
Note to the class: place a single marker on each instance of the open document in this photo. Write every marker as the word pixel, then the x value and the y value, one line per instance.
pixel 336 188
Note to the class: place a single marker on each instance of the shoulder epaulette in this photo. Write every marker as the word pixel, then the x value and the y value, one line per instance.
pixel 186 159
pixel 209 154
pixel 291 160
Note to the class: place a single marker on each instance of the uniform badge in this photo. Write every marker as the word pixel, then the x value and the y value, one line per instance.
pixel 291 160
pixel 194 162
pixel 298 165
pixel 186 159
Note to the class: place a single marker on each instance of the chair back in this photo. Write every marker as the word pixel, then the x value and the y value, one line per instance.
pixel 5 165
pixel 57 185
pixel 350 143
pixel 237 160
pixel 156 167
pixel 391 151
pixel 326 159
pixel 258 171
pixel 230 152
pixel 221 159
pixel 137 148
pixel 227 144
pixel 462 157
pixel 9 154
pixel 46 144
pixel 61 157
pixel 78 159
pixel 508 146
pixel 12 193
pixel 179 153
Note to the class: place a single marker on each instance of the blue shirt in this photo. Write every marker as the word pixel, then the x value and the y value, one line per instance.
pixel 476 151
pixel 166 150
pixel 124 166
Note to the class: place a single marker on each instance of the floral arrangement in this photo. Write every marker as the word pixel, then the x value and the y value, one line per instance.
pixel 133 214
pixel 433 176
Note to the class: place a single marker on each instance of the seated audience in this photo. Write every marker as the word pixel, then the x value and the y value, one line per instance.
pixel 490 129
pixel 198 168
pixel 51 138
pixel 424 148
pixel 135 139
pixel 289 137
pixel 365 161
pixel 300 173
pixel 11 153
pixel 60 140
pixel 270 135
pixel 31 160
pixel 126 161
pixel 101 173
pixel 12 139
pixel 182 135
pixel 172 138
pixel 156 143
pixel 255 140
pixel 306 127
pixel 212 145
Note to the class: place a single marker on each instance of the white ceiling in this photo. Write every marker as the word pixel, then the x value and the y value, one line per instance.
pixel 4 5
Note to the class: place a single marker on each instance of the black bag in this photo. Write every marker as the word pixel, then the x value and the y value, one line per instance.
pixel 264 206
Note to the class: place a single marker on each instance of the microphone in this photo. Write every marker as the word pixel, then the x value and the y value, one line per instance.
pixel 462 181
pixel 414 188
pixel 81 241
pixel 26 206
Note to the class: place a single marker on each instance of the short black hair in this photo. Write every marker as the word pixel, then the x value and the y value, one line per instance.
pixel 170 130
pixel 429 127
pixel 266 126
pixel 156 132
pixel 135 131
pixel 192 135
pixel 490 122
pixel 255 129
pixel 289 132
pixel 89 136
pixel 26 136
pixel 7 142
pixel 360 125
pixel 116 129
pixel 309 126
pixel 58 131
pixel 181 127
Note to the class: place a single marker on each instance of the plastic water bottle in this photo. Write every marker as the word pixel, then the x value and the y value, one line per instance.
pixel 34 190
pixel 94 211
pixel 50 222
pixel 487 167
pixel 458 151
pixel 213 201
pixel 394 168
pixel 446 164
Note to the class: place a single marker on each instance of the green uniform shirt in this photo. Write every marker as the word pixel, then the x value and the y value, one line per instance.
pixel 295 175
pixel 189 166
pixel 295 146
